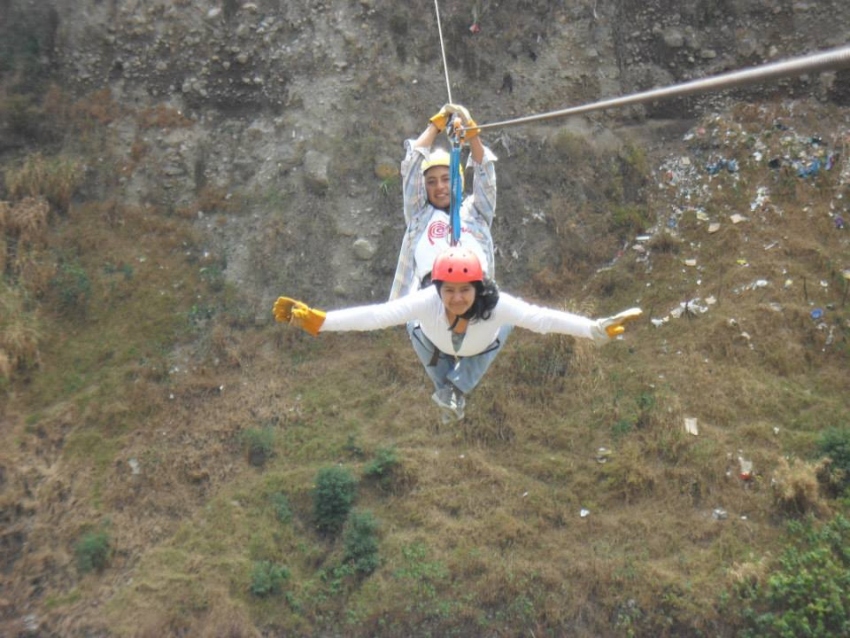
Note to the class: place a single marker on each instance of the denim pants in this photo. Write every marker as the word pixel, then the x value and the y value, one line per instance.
pixel 463 373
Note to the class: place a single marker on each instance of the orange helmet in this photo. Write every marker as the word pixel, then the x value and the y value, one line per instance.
pixel 457 265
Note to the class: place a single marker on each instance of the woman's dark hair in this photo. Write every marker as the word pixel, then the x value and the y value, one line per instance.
pixel 486 298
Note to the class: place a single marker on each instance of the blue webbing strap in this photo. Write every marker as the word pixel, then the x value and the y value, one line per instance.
pixel 456 193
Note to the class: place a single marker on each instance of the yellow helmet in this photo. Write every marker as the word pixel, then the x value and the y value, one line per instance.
pixel 438 157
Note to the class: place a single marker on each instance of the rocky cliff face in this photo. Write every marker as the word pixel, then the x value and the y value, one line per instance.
pixel 292 114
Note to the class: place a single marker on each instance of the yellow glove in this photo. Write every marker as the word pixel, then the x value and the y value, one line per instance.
pixel 462 121
pixel 612 327
pixel 298 314
pixel 308 319
pixel 441 118
pixel 468 130
pixel 283 309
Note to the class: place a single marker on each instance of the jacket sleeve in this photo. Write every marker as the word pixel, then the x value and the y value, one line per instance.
pixel 540 319
pixel 484 187
pixel 413 183
pixel 377 316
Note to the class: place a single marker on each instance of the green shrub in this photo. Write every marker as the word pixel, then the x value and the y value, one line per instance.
pixel 280 505
pixel 72 285
pixel 333 497
pixel 258 444
pixel 808 592
pixel 383 463
pixel 630 218
pixel 267 578
pixel 361 542
pixel 93 551
pixel 835 444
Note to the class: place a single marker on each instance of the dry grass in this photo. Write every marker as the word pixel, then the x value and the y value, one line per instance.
pixel 19 334
pixel 797 488
pixel 26 222
pixel 162 116
pixel 95 110
pixel 54 179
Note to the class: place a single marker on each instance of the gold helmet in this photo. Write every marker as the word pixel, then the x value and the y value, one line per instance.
pixel 438 157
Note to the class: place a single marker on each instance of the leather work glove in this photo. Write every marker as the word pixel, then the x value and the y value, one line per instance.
pixel 282 309
pixel 611 327
pixel 441 118
pixel 470 130
pixel 298 314
pixel 463 120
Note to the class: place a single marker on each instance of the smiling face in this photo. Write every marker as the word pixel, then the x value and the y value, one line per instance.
pixel 457 297
pixel 438 186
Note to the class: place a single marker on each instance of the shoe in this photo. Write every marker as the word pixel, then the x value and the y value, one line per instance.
pixel 446 416
pixel 450 400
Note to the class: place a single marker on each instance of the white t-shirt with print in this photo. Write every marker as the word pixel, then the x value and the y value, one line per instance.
pixel 436 238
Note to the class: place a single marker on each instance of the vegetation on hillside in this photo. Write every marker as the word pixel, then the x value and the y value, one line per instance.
pixel 170 468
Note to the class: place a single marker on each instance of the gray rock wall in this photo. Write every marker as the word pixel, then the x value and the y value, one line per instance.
pixel 297 110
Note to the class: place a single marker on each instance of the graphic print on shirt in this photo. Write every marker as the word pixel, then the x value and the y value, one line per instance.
pixel 440 230
pixel 437 231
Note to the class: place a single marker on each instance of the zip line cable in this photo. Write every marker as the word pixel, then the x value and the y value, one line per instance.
pixel 455 184
pixel 826 61
pixel 443 50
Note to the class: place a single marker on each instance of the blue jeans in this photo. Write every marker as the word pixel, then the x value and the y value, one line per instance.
pixel 464 373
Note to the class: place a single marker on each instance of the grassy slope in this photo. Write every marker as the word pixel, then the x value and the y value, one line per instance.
pixel 480 524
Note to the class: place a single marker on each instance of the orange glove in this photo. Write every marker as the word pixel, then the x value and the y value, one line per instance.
pixel 298 314
pixel 612 327
pixel 462 121
pixel 469 130
pixel 440 119
pixel 282 309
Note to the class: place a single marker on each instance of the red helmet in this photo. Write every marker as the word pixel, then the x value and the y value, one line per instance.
pixel 457 265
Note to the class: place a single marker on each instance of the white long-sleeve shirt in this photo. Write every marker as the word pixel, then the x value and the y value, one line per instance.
pixel 426 307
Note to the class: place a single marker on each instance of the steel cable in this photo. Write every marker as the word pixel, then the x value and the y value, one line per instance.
pixel 443 50
pixel 826 61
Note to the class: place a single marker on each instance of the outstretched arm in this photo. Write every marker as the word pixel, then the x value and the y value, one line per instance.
pixel 359 318
pixel 549 320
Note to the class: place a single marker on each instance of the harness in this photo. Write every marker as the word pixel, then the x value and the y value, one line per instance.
pixel 437 354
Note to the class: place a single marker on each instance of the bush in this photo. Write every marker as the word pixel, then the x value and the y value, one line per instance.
pixel 808 592
pixel 333 497
pixel 267 578
pixel 280 505
pixel 834 443
pixel 796 490
pixel 361 542
pixel 93 551
pixel 383 463
pixel 73 286
pixel 258 444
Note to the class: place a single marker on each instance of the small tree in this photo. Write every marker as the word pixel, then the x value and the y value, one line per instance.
pixel 267 578
pixel 333 498
pixel 93 551
pixel 361 542
pixel 834 443
pixel 280 505
pixel 258 444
